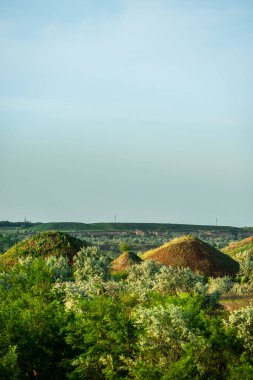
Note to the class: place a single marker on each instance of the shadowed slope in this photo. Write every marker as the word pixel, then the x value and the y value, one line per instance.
pixel 200 257
pixel 44 244
pixel 125 261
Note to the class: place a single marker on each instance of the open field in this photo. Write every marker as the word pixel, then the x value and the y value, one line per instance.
pixel 236 302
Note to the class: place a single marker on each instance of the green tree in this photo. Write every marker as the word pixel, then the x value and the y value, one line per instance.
pixel 102 334
pixel 31 320
pixel 124 247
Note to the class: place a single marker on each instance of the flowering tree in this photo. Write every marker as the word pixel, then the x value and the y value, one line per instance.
pixel 220 285
pixel 90 264
pixel 163 330
pixel 150 277
pixel 242 321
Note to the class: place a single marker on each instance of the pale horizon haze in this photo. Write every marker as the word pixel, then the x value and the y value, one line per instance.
pixel 140 109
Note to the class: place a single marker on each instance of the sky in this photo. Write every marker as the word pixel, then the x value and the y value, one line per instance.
pixel 135 108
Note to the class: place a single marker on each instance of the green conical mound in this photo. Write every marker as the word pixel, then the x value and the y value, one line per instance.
pixel 240 249
pixel 200 257
pixel 125 261
pixel 50 243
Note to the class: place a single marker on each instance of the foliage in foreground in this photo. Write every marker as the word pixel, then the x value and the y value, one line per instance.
pixel 79 322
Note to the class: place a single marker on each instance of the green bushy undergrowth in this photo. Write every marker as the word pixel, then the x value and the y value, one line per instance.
pixel 78 322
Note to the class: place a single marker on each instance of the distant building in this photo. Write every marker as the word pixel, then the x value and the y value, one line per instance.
pixel 139 233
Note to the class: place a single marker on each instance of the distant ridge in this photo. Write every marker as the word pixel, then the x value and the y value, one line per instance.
pixel 60 226
pixel 162 227
pixel 200 257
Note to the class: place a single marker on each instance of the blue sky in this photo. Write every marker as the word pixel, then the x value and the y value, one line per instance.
pixel 137 108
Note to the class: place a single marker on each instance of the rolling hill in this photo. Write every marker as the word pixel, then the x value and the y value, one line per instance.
pixel 60 226
pixel 240 249
pixel 162 227
pixel 200 257
pixel 44 244
pixel 125 261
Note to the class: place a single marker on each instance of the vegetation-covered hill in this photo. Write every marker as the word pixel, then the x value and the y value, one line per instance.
pixel 51 243
pixel 125 261
pixel 60 226
pixel 69 226
pixel 239 249
pixel 200 257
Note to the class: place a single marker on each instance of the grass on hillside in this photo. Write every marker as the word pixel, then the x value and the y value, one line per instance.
pixel 194 253
pixel 238 249
pixel 44 244
pixel 125 261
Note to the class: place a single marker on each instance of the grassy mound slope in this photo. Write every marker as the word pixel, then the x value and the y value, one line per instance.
pixel 125 261
pixel 44 244
pixel 189 251
pixel 239 249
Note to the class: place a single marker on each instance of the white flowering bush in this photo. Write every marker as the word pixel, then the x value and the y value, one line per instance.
pixel 59 268
pixel 162 324
pixel 73 292
pixel 174 281
pixel 141 278
pixel 78 290
pixel 92 277
pixel 151 277
pixel 163 332
pixel 245 274
pixel 242 321
pixel 220 285
pixel 91 264
pixel 240 289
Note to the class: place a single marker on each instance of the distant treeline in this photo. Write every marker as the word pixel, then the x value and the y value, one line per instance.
pixel 118 227
pixel 130 227
pixel 6 223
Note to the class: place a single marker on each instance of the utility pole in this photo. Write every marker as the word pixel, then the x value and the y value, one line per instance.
pixel 115 218
pixel 216 222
